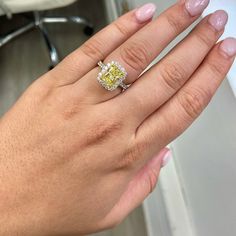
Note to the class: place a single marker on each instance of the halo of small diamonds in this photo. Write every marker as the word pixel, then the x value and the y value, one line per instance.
pixel 112 75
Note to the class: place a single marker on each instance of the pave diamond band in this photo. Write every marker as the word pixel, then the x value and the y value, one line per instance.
pixel 112 76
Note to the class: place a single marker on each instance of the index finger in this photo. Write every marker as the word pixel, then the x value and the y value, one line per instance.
pixel 85 58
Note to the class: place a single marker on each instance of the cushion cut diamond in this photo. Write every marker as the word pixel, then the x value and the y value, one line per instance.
pixel 112 76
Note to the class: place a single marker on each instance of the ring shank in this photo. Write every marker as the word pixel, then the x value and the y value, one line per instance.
pixel 101 65
pixel 124 86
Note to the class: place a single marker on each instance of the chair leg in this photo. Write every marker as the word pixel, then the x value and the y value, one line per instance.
pixel 7 38
pixel 88 29
pixel 53 53
pixel 40 21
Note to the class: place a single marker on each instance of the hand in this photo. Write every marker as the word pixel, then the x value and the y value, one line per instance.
pixel 76 158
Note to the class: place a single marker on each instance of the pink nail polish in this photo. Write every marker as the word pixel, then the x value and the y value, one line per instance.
pixel 218 20
pixel 166 159
pixel 196 7
pixel 228 46
pixel 145 12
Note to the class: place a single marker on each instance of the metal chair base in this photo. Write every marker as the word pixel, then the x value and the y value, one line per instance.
pixel 38 23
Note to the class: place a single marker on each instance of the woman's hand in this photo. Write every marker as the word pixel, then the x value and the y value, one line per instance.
pixel 76 158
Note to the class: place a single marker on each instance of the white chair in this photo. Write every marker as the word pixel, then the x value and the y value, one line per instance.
pixel 10 7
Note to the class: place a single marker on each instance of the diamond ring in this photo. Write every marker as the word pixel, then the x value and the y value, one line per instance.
pixel 112 76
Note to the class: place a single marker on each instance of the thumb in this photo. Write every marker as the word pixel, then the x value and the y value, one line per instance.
pixel 140 186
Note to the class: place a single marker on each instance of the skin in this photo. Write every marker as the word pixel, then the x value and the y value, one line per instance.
pixel 77 159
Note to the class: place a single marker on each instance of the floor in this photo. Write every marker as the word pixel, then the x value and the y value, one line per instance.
pixel 26 58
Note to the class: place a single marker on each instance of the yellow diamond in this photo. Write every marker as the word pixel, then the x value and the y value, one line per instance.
pixel 112 76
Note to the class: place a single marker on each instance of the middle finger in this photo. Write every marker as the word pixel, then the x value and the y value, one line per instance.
pixel 164 79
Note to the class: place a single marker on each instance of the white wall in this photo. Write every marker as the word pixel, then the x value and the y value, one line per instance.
pixel 206 160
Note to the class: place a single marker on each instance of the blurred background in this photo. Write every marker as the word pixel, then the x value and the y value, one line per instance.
pixel 196 192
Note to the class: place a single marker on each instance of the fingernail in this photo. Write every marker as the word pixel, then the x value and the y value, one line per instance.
pixel 166 159
pixel 196 7
pixel 145 12
pixel 218 20
pixel 228 46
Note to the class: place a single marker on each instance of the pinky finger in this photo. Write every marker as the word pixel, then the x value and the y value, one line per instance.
pixel 180 112
pixel 142 184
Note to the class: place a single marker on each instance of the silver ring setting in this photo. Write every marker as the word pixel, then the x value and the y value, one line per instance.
pixel 112 76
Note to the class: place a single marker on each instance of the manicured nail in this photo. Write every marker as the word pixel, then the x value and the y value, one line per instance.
pixel 145 12
pixel 166 159
pixel 196 7
pixel 218 19
pixel 228 46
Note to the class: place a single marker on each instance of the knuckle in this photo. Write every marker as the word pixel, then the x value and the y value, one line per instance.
pixel 69 112
pixel 173 74
pixel 204 38
pixel 174 23
pixel 135 55
pixel 92 49
pixel 121 28
pixel 103 129
pixel 217 69
pixel 193 101
pixel 133 154
pixel 65 109
pixel 138 101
